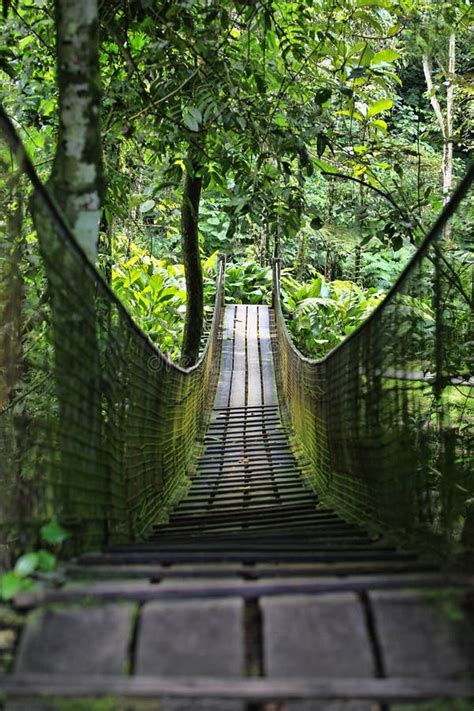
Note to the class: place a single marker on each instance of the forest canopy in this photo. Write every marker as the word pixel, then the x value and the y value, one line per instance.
pixel 328 133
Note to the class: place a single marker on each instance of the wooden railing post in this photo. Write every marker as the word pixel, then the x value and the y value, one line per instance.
pixel 276 271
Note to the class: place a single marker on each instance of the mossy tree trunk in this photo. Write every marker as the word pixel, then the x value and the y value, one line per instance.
pixel 192 265
pixel 76 183
pixel 11 296
pixel 77 176
pixel 12 365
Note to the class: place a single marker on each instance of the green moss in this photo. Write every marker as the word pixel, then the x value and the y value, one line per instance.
pixel 450 602
pixel 6 661
pixel 9 618
pixel 108 703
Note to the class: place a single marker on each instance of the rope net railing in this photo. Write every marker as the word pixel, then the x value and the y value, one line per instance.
pixel 97 427
pixel 385 422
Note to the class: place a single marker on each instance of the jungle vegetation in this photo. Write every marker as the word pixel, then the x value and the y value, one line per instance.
pixel 326 133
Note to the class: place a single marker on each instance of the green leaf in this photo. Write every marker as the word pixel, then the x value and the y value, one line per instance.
pixel 25 41
pixel 46 561
pixel 147 206
pixel 192 118
pixel 386 55
pixel 195 113
pixel 397 243
pixel 366 57
pixel 379 124
pixel 10 584
pixel 374 3
pixel 26 564
pixel 280 120
pixel 321 144
pixel 353 114
pixel 54 533
pixel 324 167
pixel 378 106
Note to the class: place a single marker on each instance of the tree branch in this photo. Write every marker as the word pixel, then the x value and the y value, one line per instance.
pixel 431 91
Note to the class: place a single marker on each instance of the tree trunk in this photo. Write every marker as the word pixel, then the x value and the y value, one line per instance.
pixel 448 167
pixel 192 268
pixel 301 260
pixel 277 245
pixel 76 183
pixel 11 298
pixel 357 263
pixel 77 176
pixel 445 123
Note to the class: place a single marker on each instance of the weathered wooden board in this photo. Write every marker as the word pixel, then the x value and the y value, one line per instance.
pixel 396 689
pixel 142 590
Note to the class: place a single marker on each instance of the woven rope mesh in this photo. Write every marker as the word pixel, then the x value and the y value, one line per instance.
pixel 385 422
pixel 96 427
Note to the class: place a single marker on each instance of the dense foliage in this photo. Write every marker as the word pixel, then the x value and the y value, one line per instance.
pixel 321 312
pixel 326 134
pixel 309 124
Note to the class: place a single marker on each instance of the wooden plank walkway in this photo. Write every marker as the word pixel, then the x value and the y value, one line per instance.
pixel 253 592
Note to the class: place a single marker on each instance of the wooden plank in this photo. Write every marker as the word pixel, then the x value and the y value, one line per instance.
pixel 173 637
pixel 277 445
pixel 234 459
pixel 235 507
pixel 311 635
pixel 253 426
pixel 273 419
pixel 417 637
pixel 307 504
pixel 237 395
pixel 268 512
pixel 264 512
pixel 157 572
pixel 225 375
pixel 263 468
pixel 235 439
pixel 254 383
pixel 261 483
pixel 251 556
pixel 249 512
pixel 224 498
pixel 320 543
pixel 263 488
pixel 266 357
pixel 241 454
pixel 227 476
pixel 203 530
pixel 144 590
pixel 254 429
pixel 265 534
pixel 274 689
pixel 275 534
pixel 268 523
pixel 302 528
pixel 290 474
pixel 314 541
pixel 255 408
pixel 84 640
pixel 249 529
pixel 266 570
